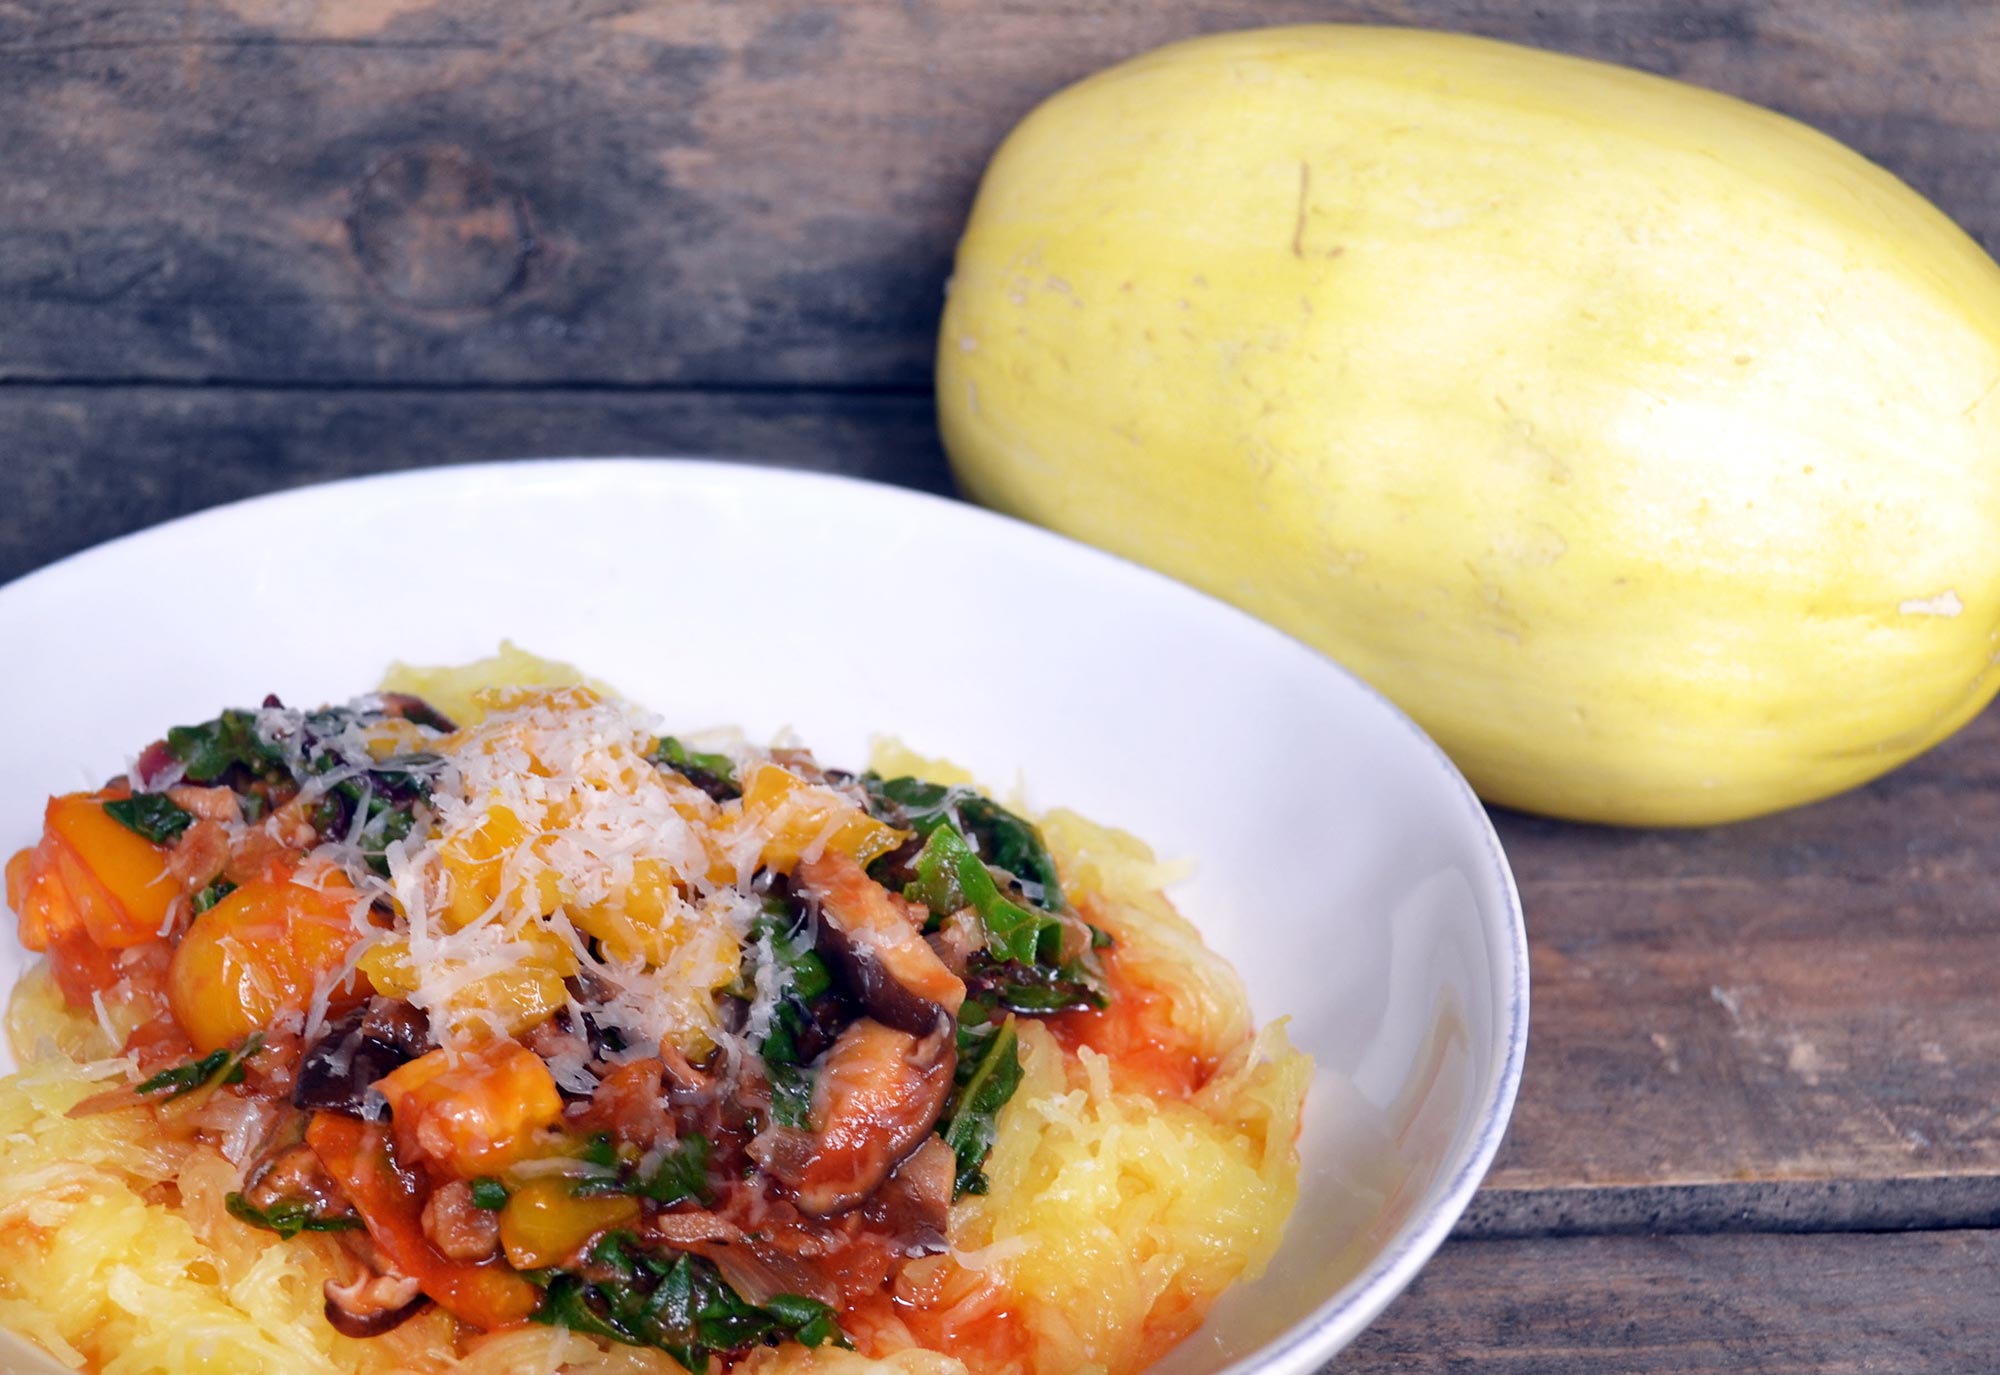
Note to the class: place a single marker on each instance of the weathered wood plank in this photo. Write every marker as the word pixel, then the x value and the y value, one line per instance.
pixel 82 464
pixel 1831 1305
pixel 685 190
pixel 1807 997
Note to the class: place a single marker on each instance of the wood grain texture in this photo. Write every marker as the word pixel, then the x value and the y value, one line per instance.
pixel 686 191
pixel 1775 1305
pixel 1807 997
pixel 82 464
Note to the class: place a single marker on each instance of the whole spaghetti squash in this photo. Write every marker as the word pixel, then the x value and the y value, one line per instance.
pixel 1642 444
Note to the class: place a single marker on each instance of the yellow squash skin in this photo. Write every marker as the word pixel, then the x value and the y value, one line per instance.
pixel 1642 444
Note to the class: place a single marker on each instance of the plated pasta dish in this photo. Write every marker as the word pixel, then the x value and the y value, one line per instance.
pixel 484 1024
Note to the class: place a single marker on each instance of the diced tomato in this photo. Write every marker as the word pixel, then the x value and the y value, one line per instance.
pixel 116 880
pixel 42 903
pixel 261 950
pixel 391 1203
pixel 90 875
pixel 159 1042
pixel 81 967
pixel 472 1112
pixel 83 970
pixel 17 878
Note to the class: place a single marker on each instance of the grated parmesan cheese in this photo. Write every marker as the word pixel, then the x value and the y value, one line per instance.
pixel 552 848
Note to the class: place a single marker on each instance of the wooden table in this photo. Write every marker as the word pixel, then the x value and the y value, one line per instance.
pixel 253 244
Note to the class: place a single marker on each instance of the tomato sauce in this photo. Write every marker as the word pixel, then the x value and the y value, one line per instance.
pixel 1138 1035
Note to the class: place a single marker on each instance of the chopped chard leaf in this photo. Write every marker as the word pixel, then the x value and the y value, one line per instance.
pixel 217 1067
pixel 682 1307
pixel 1003 838
pixel 714 774
pixel 791 1095
pixel 1011 843
pixel 804 977
pixel 214 893
pixel 288 1219
pixel 1023 964
pixel 374 802
pixel 1039 990
pixel 951 876
pixel 680 1174
pixel 971 1117
pixel 152 815
pixel 384 800
pixel 208 751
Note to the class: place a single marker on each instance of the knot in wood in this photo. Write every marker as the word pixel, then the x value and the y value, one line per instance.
pixel 435 228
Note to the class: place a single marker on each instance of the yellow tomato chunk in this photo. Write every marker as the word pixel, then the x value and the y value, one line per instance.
pixel 544 1223
pixel 797 816
pixel 262 950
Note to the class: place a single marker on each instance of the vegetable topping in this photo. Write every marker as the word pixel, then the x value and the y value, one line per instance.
pixel 551 1017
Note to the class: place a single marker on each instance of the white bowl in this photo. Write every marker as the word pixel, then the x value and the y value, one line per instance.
pixel 1342 863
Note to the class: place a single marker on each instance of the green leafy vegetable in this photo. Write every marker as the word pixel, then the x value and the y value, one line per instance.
pixel 288 1219
pixel 217 1067
pixel 951 876
pixel 152 815
pixel 805 973
pixel 1009 842
pixel 911 802
pixel 1041 988
pixel 680 1173
pixel 804 977
pixel 791 1094
pixel 383 799
pixel 1003 838
pixel 489 1193
pixel 214 893
pixel 1022 966
pixel 714 774
pixel 986 1080
pixel 681 1306
pixel 208 751
pixel 811 1321
pixel 372 802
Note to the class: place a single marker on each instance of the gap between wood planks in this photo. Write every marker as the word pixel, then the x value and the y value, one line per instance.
pixel 580 386
pixel 1941 1203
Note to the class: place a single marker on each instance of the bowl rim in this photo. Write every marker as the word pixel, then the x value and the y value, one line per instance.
pixel 1314 1338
